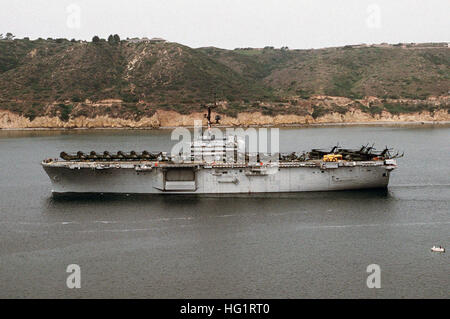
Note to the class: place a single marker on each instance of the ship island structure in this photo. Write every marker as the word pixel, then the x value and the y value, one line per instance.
pixel 207 169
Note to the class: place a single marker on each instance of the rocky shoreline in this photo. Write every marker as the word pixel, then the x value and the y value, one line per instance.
pixel 170 119
pixel 334 110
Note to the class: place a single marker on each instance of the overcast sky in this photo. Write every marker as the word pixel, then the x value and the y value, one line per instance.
pixel 234 23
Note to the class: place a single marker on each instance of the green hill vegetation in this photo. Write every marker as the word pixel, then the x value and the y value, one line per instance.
pixel 58 76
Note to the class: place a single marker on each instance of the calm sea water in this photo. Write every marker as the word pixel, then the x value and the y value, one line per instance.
pixel 280 246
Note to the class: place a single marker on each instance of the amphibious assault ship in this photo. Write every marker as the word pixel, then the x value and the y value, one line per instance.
pixel 215 165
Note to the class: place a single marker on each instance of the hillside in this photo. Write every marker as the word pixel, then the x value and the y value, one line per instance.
pixel 130 81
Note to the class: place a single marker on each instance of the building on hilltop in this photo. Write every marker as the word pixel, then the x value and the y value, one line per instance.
pixel 138 40
pixel 157 40
pixel 146 40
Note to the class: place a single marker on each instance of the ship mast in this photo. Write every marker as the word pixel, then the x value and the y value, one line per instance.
pixel 208 115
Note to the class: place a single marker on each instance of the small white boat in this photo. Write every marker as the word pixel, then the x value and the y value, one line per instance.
pixel 438 249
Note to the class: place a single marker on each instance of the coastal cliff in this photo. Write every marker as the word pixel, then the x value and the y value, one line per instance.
pixel 162 119
pixel 315 110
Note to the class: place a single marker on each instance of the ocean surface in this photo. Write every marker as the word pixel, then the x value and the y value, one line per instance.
pixel 305 245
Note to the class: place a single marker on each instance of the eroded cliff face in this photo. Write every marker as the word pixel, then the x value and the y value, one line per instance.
pixel 160 119
pixel 333 110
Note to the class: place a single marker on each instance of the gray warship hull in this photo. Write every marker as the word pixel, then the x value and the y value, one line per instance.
pixel 202 178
